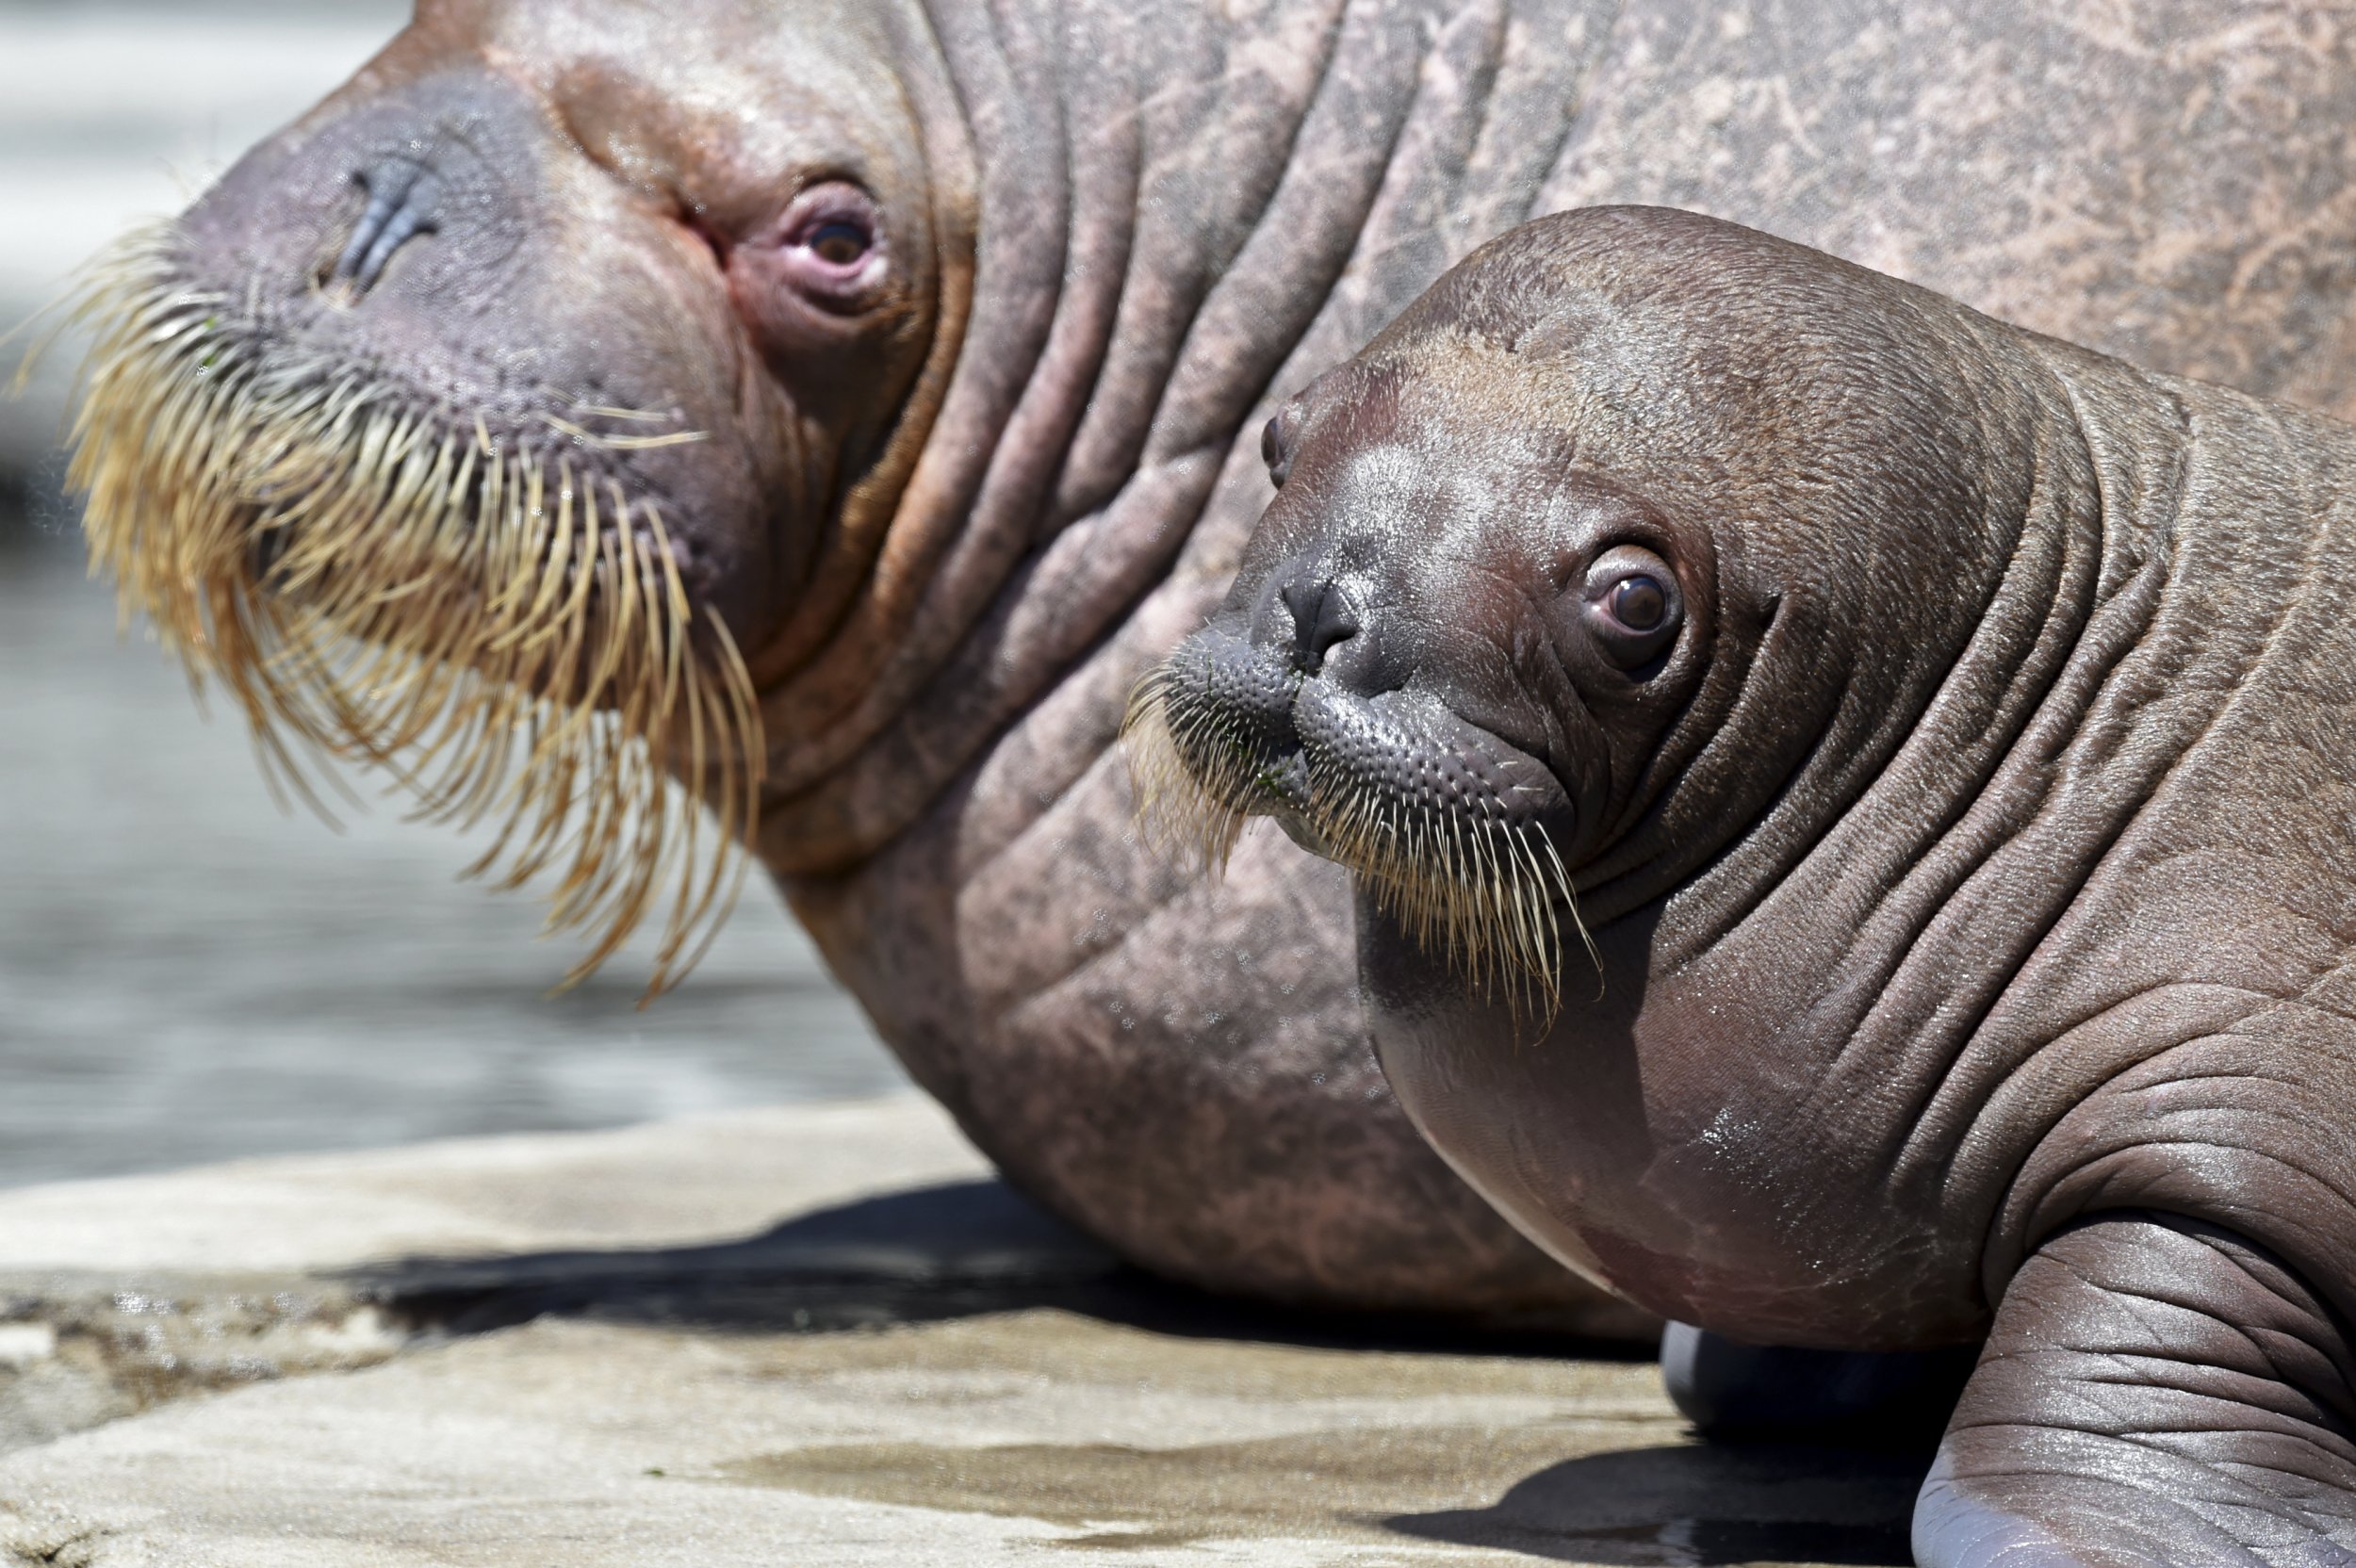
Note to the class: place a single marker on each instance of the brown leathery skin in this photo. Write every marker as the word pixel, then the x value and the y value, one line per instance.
pixel 1099 1029
pixel 1957 723
pixel 1980 826
pixel 1121 234
pixel 2180 1396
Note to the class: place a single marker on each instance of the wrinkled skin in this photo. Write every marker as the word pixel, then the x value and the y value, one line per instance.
pixel 964 485
pixel 1945 732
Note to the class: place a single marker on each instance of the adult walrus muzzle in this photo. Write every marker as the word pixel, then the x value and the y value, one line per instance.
pixel 348 442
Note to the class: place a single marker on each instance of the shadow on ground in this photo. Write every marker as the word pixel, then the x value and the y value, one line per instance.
pixel 955 1251
pixel 977 1247
pixel 907 1257
pixel 1704 1504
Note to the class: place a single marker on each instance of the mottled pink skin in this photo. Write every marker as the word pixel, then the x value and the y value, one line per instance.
pixel 1086 1010
pixel 954 540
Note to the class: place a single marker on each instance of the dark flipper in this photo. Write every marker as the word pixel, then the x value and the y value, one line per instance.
pixel 2157 1391
pixel 1732 1390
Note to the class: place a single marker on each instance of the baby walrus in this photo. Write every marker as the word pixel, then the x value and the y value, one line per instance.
pixel 1852 814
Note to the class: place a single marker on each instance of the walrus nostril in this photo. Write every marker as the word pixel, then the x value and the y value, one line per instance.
pixel 404 201
pixel 1322 616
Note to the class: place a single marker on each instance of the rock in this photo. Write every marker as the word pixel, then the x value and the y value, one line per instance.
pixel 610 1349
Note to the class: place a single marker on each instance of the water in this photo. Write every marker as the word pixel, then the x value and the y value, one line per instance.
pixel 186 974
pixel 117 112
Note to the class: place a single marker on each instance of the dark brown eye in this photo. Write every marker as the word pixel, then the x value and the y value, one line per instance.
pixel 1632 608
pixel 1639 603
pixel 841 242
pixel 1276 446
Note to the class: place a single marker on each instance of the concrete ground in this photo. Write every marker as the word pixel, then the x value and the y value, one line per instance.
pixel 810 1335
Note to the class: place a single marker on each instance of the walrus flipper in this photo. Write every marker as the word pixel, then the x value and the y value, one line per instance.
pixel 2158 1391
pixel 1731 1390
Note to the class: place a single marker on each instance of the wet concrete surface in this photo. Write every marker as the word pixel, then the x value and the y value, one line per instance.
pixel 189 973
pixel 806 1334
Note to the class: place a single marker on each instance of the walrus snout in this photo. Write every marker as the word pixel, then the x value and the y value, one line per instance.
pixel 360 229
pixel 423 250
pixel 1306 614
pixel 346 442
pixel 1451 827
pixel 1227 706
pixel 404 202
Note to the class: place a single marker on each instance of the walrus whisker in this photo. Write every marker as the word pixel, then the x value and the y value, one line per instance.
pixel 383 581
pixel 1474 892
pixel 601 410
pixel 624 443
pixel 1462 890
pixel 1184 816
pixel 737 805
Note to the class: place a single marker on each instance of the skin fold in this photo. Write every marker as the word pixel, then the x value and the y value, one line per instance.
pixel 976 314
pixel 1940 731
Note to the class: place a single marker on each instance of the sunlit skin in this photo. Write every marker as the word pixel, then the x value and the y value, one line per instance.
pixel 1940 732
pixel 766 192
pixel 926 348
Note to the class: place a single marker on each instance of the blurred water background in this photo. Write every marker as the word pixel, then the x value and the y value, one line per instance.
pixel 187 973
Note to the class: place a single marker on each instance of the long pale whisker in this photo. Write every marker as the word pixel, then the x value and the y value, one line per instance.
pixel 430 609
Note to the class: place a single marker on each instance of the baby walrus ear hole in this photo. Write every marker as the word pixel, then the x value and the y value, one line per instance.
pixel 1631 606
pixel 1276 446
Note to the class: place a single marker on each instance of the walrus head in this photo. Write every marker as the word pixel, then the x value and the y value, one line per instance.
pixel 488 421
pixel 1567 585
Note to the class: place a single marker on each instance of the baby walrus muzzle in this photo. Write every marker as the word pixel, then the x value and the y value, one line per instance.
pixel 1302 700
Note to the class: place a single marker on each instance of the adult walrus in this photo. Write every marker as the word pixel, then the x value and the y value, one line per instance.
pixel 1940 738
pixel 968 305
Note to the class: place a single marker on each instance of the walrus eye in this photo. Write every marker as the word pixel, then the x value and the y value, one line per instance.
pixel 1632 605
pixel 1639 603
pixel 1276 446
pixel 840 242
pixel 1272 453
pixel 827 250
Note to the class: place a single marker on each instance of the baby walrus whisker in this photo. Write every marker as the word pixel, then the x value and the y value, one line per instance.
pixel 1445 825
pixel 1945 733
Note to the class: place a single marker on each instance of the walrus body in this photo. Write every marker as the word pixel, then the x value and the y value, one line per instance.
pixel 1943 734
pixel 918 347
